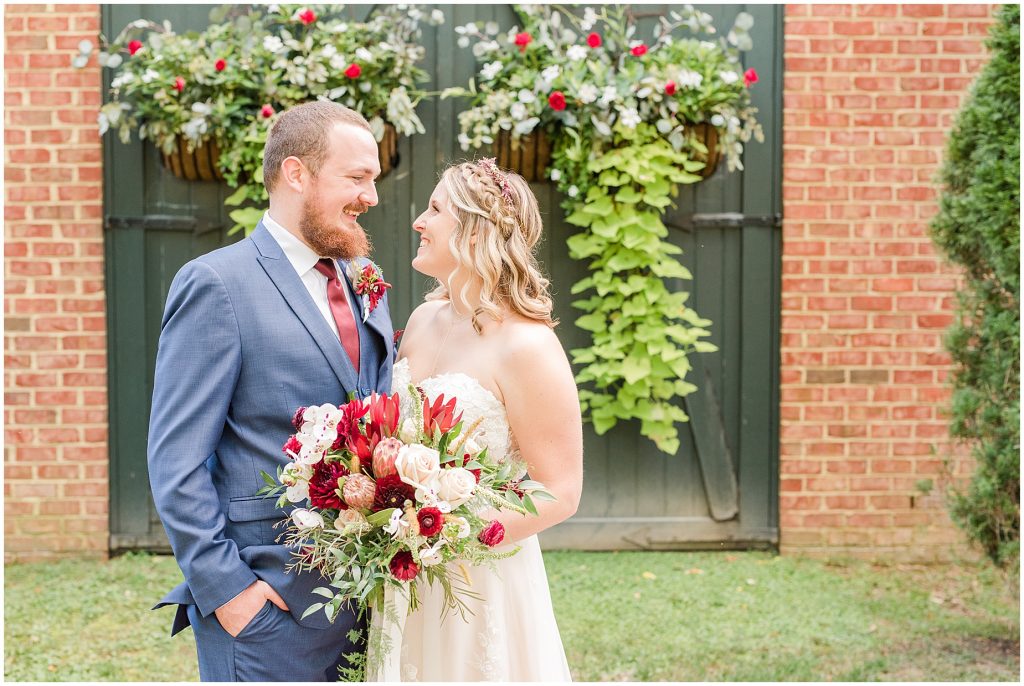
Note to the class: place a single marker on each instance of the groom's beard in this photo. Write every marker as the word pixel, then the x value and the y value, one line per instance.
pixel 331 240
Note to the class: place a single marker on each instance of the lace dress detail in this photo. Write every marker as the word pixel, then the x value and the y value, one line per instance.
pixel 511 634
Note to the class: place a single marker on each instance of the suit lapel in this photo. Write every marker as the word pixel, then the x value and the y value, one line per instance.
pixel 281 272
pixel 375 320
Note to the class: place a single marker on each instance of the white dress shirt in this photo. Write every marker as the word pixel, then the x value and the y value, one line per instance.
pixel 304 260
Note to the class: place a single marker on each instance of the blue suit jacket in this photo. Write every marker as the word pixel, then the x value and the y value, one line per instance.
pixel 242 345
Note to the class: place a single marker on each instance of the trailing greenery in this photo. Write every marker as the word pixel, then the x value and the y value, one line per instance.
pixel 642 331
pixel 978 228
pixel 627 121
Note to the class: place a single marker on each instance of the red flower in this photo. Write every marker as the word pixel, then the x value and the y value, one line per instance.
pixel 307 17
pixel 134 46
pixel 292 445
pixel 431 520
pixel 749 77
pixel 492 534
pixel 353 71
pixel 594 40
pixel 391 492
pixel 522 40
pixel 557 101
pixel 670 88
pixel 639 50
pixel 297 418
pixel 179 84
pixel 440 416
pixel 323 487
pixel 267 111
pixel 371 284
pixel 220 65
pixel 402 566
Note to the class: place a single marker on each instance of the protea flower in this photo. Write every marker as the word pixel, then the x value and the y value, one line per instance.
pixel 359 490
pixel 384 457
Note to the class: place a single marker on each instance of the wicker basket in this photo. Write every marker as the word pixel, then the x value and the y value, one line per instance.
pixel 529 157
pixel 201 163
pixel 198 165
pixel 708 135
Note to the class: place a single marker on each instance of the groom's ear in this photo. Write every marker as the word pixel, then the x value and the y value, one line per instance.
pixel 294 173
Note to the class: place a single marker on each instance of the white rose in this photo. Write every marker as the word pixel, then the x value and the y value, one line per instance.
pixel 408 432
pixel 307 519
pixel 349 518
pixel 417 465
pixel 456 485
pixel 432 555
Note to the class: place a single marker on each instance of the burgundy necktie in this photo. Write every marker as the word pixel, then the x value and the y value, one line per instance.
pixel 340 310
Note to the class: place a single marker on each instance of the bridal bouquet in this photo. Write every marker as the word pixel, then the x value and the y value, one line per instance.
pixel 389 499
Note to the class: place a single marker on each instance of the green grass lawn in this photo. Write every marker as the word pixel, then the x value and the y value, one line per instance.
pixel 634 616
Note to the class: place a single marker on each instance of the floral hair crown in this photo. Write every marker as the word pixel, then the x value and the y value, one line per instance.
pixel 498 176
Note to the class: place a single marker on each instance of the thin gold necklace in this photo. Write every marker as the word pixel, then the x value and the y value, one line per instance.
pixel 454 320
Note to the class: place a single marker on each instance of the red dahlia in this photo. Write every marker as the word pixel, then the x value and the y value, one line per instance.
pixel 391 492
pixel 431 520
pixel 323 487
pixel 402 566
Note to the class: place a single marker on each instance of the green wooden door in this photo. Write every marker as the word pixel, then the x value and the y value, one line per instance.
pixel 720 490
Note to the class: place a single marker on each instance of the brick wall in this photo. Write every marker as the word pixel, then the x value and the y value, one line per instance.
pixel 55 358
pixel 870 95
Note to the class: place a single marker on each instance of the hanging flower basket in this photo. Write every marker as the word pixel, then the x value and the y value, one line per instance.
pixel 201 164
pixel 528 156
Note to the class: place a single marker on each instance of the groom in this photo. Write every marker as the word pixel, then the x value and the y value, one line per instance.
pixel 250 333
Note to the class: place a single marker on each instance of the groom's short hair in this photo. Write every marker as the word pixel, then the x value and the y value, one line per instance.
pixel 303 131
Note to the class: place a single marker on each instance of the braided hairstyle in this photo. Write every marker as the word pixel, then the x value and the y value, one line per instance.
pixel 500 210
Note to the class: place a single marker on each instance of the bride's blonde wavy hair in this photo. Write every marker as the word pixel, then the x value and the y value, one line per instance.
pixel 498 208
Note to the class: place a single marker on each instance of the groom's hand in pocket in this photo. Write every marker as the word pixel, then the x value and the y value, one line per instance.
pixel 236 614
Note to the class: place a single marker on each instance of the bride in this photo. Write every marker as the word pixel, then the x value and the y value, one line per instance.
pixel 484 335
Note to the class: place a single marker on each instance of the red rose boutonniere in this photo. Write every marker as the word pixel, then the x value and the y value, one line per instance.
pixel 370 285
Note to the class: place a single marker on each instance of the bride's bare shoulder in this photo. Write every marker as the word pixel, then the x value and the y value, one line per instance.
pixel 424 312
pixel 522 337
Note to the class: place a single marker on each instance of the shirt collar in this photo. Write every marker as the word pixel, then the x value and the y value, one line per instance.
pixel 298 253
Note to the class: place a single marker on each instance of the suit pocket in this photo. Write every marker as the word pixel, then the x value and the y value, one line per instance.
pixel 251 520
pixel 254 624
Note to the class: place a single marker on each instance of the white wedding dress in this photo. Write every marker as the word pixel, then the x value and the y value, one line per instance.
pixel 512 634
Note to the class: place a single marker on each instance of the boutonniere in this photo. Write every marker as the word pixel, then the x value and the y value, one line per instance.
pixel 370 286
